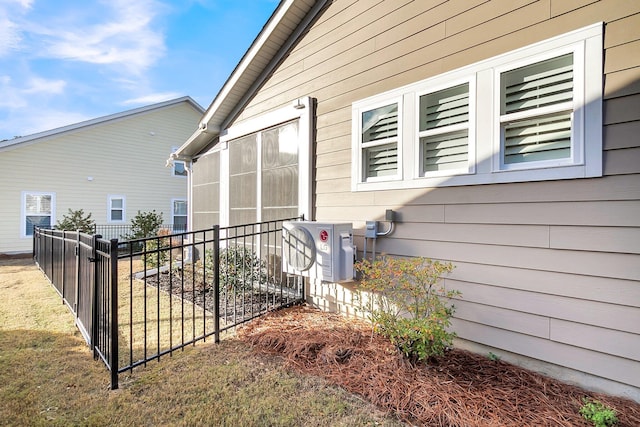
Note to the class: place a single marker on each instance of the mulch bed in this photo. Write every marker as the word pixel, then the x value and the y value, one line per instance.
pixel 233 306
pixel 460 389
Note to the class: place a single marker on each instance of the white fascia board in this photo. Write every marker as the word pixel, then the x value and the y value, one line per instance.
pixel 246 61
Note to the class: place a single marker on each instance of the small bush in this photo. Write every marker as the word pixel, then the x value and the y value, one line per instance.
pixel 407 303
pixel 145 224
pixel 157 250
pixel 240 269
pixel 599 414
pixel 77 220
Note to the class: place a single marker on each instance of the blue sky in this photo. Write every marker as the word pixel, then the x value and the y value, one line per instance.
pixel 65 61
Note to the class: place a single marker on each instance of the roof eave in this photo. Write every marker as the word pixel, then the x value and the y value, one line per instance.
pixel 40 136
pixel 229 101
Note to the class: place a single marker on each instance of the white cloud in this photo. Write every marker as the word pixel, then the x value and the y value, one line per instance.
pixel 25 4
pixel 9 36
pixel 152 99
pixel 11 98
pixel 38 85
pixel 126 38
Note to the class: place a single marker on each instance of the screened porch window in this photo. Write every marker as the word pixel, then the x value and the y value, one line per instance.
pixel 243 166
pixel 263 175
pixel 536 112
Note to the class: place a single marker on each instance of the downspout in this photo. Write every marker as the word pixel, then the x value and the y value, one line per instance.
pixel 188 163
pixel 188 253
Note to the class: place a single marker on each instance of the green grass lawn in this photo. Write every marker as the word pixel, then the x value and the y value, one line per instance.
pixel 48 376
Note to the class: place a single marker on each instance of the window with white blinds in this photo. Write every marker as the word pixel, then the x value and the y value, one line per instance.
pixel 38 209
pixel 444 130
pixel 531 114
pixel 380 141
pixel 536 109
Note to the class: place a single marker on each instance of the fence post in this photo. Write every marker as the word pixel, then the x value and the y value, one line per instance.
pixel 216 281
pixel 64 260
pixel 114 314
pixel 95 312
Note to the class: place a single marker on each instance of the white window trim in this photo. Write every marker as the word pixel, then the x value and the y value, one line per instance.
pixel 300 110
pixel 112 197
pixel 23 210
pixel 587 45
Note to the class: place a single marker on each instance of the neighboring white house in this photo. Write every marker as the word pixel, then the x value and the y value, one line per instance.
pixel 504 134
pixel 111 167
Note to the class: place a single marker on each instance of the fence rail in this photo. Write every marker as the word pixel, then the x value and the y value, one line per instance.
pixel 123 231
pixel 139 300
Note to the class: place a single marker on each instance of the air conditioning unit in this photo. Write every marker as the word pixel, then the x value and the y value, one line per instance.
pixel 318 250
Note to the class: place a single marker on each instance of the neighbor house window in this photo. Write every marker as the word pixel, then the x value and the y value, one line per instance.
pixel 179 167
pixel 116 209
pixel 179 215
pixel 38 211
pixel 532 114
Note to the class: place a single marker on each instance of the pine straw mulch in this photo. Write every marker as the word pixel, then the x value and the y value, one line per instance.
pixel 460 389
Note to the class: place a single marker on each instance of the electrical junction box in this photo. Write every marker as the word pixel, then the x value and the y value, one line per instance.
pixel 318 250
pixel 371 230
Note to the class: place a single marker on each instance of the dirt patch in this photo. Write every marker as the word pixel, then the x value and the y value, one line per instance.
pixel 18 256
pixel 234 305
pixel 460 389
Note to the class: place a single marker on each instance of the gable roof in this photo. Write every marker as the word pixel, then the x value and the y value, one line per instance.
pixel 277 37
pixel 40 136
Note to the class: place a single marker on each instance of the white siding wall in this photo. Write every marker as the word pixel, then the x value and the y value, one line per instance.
pixel 125 157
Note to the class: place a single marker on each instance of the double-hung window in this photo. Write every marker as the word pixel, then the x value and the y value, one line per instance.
pixel 38 211
pixel 537 113
pixel 532 114
pixel 379 132
pixel 445 128
pixel 116 208
pixel 179 215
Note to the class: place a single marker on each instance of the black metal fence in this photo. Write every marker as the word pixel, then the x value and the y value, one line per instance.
pixel 139 300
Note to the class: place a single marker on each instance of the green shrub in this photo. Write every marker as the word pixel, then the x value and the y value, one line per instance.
pixel 407 303
pixel 598 413
pixel 240 269
pixel 77 220
pixel 145 224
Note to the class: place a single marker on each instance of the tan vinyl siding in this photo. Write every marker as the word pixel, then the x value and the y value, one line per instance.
pixel 549 270
pixel 125 157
